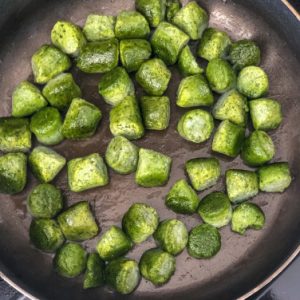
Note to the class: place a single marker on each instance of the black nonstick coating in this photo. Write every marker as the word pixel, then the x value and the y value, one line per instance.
pixel 244 261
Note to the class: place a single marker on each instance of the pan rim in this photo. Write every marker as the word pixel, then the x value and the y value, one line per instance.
pixel 245 296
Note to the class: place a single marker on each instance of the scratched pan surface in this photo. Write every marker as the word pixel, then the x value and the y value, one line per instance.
pixel 243 262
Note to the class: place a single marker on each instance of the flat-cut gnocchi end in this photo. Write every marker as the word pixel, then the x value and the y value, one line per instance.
pixel 157 266
pixel 140 222
pixel 247 216
pixel 123 275
pixel 70 260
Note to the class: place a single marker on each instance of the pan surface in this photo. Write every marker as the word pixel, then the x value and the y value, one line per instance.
pixel 244 261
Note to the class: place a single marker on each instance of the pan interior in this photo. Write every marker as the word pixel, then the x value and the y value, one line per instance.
pixel 243 261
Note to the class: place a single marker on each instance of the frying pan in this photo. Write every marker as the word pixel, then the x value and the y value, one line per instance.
pixel 245 263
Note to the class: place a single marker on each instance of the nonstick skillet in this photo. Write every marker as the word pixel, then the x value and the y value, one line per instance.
pixel 245 263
